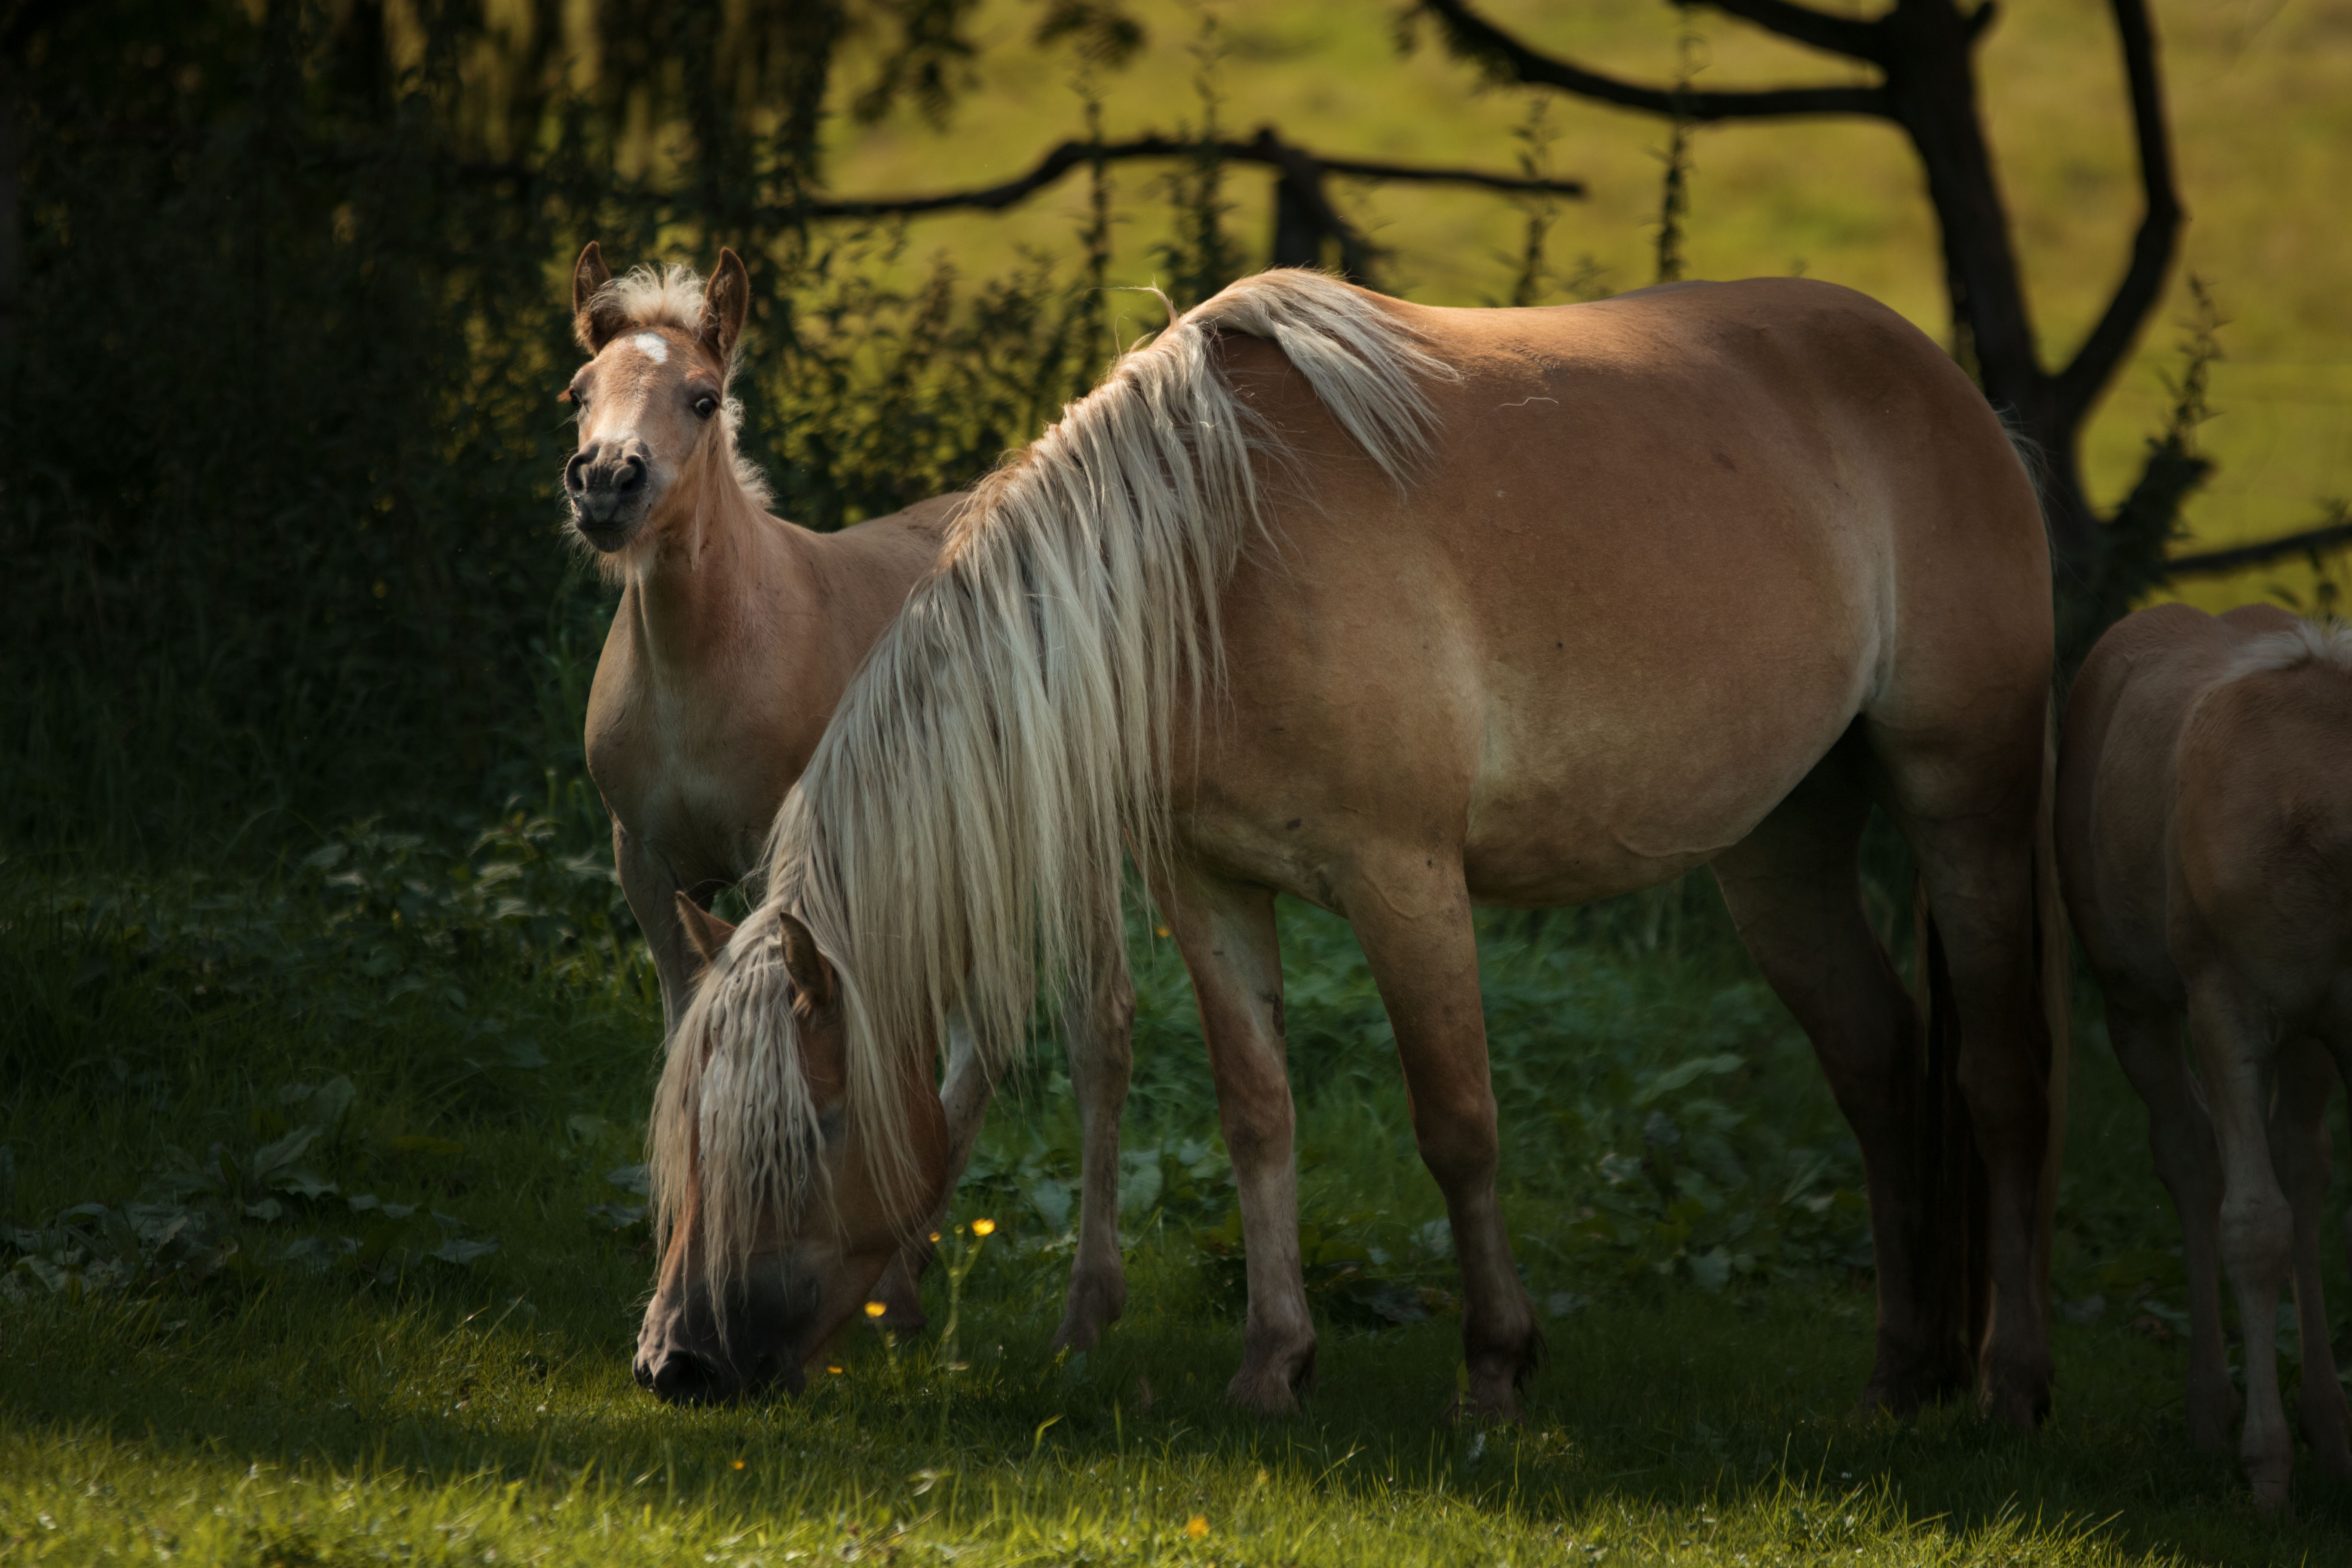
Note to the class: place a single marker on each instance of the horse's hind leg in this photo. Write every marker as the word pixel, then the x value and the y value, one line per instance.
pixel 1966 796
pixel 1412 915
pixel 2299 1152
pixel 1225 932
pixel 1795 894
pixel 2146 1037
pixel 2234 1046
pixel 1100 1036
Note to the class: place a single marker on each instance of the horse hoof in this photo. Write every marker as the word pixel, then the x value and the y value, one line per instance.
pixel 1271 1384
pixel 1913 1383
pixel 1272 1398
pixel 1093 1305
pixel 1493 1411
pixel 2021 1404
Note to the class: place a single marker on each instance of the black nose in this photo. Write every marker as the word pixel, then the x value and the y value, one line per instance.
pixel 683 1377
pixel 607 483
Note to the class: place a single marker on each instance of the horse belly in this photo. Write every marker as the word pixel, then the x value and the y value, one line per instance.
pixel 1666 641
pixel 1583 795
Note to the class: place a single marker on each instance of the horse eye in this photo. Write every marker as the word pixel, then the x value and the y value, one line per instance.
pixel 704 408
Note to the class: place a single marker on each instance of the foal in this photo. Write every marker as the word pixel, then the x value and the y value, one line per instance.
pixel 734 637
pixel 2205 837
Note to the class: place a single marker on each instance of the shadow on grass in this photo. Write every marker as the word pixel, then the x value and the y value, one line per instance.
pixel 1670 1418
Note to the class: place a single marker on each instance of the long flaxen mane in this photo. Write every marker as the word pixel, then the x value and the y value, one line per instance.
pixel 958 834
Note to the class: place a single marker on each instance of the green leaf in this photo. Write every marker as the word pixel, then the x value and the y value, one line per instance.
pixel 271 1157
pixel 462 1253
pixel 1686 1074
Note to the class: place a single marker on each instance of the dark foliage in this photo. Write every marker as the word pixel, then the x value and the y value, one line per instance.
pixel 281 510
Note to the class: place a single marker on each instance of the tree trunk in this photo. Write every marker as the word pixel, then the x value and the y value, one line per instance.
pixel 1932 88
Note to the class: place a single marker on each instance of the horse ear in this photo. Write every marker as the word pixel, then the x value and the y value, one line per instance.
pixel 724 300
pixel 705 932
pixel 597 318
pixel 811 976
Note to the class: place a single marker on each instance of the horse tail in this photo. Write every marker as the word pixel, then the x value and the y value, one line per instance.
pixel 1956 1287
pixel 959 835
pixel 2054 960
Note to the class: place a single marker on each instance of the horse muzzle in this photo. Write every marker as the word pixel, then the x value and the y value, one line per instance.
pixel 688 1354
pixel 610 484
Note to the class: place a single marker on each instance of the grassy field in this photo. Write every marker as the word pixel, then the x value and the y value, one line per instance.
pixel 2261 123
pixel 322 1248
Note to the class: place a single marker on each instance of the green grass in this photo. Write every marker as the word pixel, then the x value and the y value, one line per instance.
pixel 275 1397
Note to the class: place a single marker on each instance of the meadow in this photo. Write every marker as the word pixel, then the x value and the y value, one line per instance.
pixel 324 1244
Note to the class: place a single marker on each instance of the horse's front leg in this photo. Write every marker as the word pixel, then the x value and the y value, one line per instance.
pixel 1100 1034
pixel 652 889
pixel 1411 912
pixel 964 1095
pixel 1225 933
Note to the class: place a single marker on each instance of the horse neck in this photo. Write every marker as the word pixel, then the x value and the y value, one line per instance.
pixel 717 561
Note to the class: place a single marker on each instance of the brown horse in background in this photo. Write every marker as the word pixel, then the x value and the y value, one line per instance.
pixel 2205 831
pixel 734 637
pixel 1398 610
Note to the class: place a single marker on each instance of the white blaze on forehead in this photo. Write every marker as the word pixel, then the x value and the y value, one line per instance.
pixel 651 345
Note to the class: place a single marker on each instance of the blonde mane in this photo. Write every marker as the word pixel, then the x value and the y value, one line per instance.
pixel 649 295
pixel 2325 640
pixel 958 836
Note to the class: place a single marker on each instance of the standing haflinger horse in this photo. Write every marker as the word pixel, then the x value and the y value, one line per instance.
pixel 1398 610
pixel 734 637
pixel 2205 831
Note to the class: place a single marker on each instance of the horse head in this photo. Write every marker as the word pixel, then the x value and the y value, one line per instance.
pixel 652 401
pixel 778 1215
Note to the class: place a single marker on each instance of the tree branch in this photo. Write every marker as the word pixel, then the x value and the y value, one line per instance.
pixel 1472 36
pixel 2310 541
pixel 2159 229
pixel 1837 35
pixel 1266 149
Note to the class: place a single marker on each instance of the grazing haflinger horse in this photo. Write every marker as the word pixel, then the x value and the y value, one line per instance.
pixel 2205 833
pixel 735 635
pixel 1397 610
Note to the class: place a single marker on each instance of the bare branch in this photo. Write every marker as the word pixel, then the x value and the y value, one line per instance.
pixel 2310 541
pixel 1265 149
pixel 2152 248
pixel 1837 35
pixel 1473 37
pixel 1407 175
